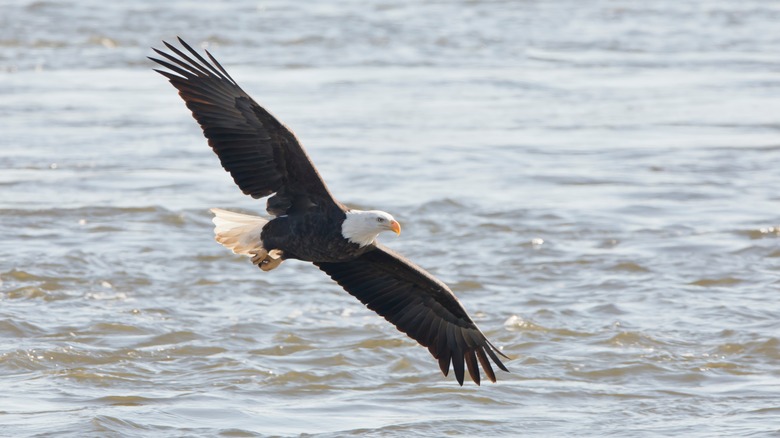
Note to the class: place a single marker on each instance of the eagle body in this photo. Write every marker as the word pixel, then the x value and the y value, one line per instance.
pixel 314 236
pixel 307 223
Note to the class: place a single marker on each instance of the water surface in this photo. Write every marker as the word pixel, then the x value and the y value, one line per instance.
pixel 596 181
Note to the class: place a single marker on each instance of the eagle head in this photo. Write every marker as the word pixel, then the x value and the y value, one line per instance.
pixel 362 227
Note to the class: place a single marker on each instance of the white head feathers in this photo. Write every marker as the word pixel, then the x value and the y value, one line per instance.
pixel 362 227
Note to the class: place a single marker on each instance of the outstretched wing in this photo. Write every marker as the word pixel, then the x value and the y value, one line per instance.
pixel 262 155
pixel 419 305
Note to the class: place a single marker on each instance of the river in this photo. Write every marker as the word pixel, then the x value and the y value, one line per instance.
pixel 597 181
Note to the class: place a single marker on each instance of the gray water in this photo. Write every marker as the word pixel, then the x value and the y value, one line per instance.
pixel 597 181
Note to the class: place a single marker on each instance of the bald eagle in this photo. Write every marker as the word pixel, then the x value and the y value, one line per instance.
pixel 307 223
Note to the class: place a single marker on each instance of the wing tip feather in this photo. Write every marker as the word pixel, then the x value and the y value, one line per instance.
pixel 471 363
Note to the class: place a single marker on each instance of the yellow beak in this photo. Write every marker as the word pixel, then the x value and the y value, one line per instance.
pixel 395 226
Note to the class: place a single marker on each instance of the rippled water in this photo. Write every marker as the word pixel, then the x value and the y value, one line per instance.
pixel 596 180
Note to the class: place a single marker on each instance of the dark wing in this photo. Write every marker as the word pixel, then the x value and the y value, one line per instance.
pixel 261 154
pixel 419 305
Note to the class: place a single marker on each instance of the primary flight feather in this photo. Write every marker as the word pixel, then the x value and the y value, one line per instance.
pixel 265 159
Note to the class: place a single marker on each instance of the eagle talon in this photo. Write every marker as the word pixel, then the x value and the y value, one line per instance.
pixel 260 257
pixel 268 261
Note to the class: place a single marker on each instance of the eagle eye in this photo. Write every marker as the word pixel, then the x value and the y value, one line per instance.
pixel 380 219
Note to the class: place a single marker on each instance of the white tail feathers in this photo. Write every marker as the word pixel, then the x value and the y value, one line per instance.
pixel 239 232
